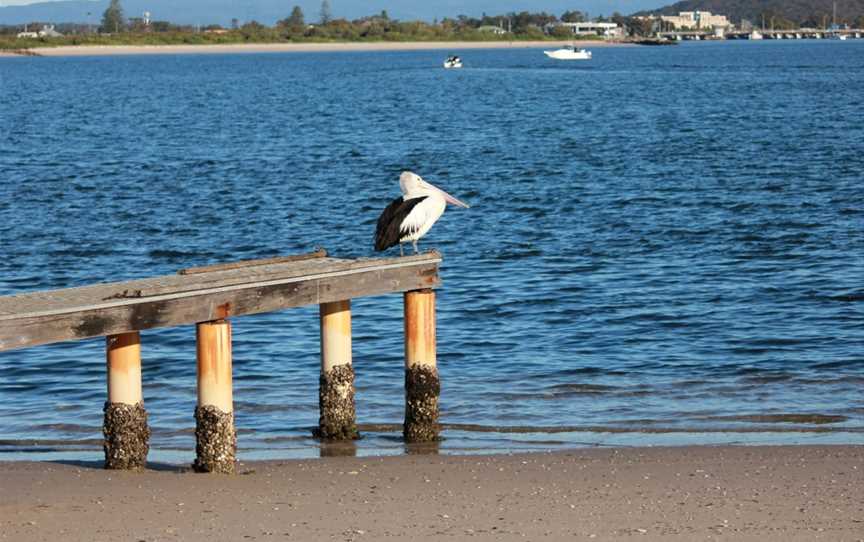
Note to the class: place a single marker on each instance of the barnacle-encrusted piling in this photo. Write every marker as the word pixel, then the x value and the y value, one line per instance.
pixel 422 385
pixel 338 419
pixel 216 440
pixel 127 436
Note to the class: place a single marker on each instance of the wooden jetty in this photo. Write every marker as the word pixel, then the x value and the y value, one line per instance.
pixel 210 297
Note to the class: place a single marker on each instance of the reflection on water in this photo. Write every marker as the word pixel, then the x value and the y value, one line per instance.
pixel 423 448
pixel 346 448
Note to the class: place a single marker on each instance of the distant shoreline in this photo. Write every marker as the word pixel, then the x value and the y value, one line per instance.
pixel 107 50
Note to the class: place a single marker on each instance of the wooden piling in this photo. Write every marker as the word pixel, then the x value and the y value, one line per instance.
pixel 422 385
pixel 216 448
pixel 127 436
pixel 338 419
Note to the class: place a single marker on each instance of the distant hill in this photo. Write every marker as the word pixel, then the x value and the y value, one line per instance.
pixel 798 11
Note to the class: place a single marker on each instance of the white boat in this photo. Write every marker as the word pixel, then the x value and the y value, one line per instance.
pixel 453 61
pixel 568 52
pixel 841 37
pixel 755 35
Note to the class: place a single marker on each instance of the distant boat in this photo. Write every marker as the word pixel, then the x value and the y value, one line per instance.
pixel 568 52
pixel 841 37
pixel 755 35
pixel 453 61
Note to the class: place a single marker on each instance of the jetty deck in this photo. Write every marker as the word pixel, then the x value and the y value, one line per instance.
pixel 205 293
pixel 209 297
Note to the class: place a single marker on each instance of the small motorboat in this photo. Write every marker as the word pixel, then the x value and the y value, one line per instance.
pixel 453 61
pixel 568 52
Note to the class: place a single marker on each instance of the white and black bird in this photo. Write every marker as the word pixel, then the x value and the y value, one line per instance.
pixel 409 217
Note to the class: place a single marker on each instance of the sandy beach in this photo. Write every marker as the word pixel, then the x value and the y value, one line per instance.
pixel 695 493
pixel 98 50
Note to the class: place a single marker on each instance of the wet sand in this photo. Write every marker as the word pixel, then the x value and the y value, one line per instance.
pixel 98 50
pixel 764 494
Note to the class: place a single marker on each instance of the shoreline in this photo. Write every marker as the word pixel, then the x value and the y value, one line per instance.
pixel 108 50
pixel 763 493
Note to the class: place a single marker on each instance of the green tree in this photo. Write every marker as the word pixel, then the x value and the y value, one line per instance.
pixel 562 32
pixel 326 12
pixel 112 19
pixel 296 19
pixel 641 26
pixel 573 17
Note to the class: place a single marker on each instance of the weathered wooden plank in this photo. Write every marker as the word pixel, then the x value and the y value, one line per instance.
pixel 320 253
pixel 132 292
pixel 345 280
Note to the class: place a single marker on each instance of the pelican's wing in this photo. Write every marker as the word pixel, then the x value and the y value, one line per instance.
pixel 388 231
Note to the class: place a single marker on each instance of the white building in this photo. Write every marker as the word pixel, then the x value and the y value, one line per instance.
pixel 696 20
pixel 497 30
pixel 609 30
pixel 46 32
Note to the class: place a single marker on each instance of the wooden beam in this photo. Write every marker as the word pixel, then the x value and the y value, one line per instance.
pixel 92 311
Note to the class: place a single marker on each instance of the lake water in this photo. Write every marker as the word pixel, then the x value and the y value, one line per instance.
pixel 665 244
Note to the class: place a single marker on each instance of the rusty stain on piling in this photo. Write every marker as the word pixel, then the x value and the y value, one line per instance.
pixel 223 311
pixel 123 364
pixel 420 327
pixel 214 365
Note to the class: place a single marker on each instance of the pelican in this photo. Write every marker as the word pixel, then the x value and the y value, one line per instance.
pixel 409 218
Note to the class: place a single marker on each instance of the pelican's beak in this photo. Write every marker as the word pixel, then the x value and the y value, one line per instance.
pixel 448 198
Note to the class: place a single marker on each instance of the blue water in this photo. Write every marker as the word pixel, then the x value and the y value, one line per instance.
pixel 665 244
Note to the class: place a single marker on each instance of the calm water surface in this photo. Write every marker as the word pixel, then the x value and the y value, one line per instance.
pixel 665 245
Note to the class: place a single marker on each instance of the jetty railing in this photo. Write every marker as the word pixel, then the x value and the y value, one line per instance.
pixel 209 297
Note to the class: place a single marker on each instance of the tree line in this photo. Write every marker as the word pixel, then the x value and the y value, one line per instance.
pixel 323 26
pixel 296 25
pixel 115 28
